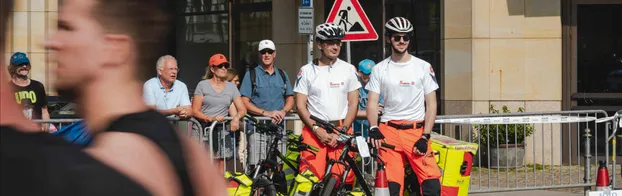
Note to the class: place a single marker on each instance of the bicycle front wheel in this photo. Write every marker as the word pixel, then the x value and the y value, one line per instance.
pixel 265 188
pixel 329 187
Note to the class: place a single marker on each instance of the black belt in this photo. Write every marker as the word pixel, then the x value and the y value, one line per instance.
pixel 335 122
pixel 405 126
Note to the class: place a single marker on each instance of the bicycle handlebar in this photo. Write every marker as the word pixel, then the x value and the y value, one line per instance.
pixel 268 127
pixel 327 125
pixel 273 127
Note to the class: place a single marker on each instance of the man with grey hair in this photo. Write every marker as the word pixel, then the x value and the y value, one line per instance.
pixel 165 93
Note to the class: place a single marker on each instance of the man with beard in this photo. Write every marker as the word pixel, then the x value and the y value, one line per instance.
pixel 29 93
pixel 406 83
pixel 102 49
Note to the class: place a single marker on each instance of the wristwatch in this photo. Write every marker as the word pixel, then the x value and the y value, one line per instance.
pixel 315 127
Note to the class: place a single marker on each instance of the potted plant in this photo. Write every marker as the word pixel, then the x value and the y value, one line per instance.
pixel 502 145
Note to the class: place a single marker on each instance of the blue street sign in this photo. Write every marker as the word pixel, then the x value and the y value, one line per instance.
pixel 306 3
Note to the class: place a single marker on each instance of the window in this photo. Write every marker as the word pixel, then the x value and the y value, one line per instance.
pixel 253 23
pixel 202 30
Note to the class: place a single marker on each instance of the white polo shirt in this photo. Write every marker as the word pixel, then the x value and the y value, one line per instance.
pixel 327 88
pixel 403 87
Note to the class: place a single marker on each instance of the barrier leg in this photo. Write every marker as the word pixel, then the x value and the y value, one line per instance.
pixel 587 178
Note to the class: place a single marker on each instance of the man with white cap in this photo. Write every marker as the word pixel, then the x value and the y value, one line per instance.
pixel 266 91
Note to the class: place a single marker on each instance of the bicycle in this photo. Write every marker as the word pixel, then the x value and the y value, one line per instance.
pixel 328 185
pixel 270 165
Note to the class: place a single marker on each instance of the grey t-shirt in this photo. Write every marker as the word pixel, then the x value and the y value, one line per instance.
pixel 214 103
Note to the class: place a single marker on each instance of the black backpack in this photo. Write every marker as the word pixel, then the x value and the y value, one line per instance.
pixel 254 84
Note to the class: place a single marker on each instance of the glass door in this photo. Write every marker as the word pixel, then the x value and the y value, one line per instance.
pixel 253 23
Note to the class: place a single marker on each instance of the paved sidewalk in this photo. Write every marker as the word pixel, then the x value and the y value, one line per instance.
pixel 528 193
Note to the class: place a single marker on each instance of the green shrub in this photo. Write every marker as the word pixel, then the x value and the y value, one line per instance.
pixel 490 134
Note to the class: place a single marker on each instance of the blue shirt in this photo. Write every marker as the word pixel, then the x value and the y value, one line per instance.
pixel 363 125
pixel 155 94
pixel 269 90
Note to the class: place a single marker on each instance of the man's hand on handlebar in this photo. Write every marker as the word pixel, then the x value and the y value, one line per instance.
pixel 375 137
pixel 325 137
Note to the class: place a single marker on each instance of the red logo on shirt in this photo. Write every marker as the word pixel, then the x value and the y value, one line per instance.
pixel 300 73
pixel 406 83
pixel 335 84
pixel 431 70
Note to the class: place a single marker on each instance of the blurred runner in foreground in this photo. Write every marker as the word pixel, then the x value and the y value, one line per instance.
pixel 36 163
pixel 102 49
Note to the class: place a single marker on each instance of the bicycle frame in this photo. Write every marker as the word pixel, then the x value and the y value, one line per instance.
pixel 349 164
pixel 270 161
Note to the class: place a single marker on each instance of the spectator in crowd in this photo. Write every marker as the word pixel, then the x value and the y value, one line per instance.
pixel 232 76
pixel 29 93
pixel 165 93
pixel 266 91
pixel 361 125
pixel 211 102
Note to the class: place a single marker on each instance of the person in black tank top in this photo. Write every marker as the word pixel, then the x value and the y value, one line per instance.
pixel 42 164
pixel 34 163
pixel 103 49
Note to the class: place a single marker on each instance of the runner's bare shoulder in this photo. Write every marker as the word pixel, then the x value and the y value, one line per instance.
pixel 139 159
pixel 202 170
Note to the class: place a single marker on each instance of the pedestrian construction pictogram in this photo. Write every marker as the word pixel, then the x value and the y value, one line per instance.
pixel 350 16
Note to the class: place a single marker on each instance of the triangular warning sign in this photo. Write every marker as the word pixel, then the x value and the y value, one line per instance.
pixel 350 16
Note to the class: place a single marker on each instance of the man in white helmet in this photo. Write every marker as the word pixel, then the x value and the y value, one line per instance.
pixel 408 87
pixel 326 88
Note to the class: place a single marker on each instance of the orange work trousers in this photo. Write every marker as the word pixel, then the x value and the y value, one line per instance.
pixel 317 163
pixel 424 166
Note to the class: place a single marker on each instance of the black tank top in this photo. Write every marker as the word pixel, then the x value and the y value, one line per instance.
pixel 155 127
pixel 43 164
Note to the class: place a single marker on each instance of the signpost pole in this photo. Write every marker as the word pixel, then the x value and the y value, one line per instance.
pixel 310 40
pixel 348 52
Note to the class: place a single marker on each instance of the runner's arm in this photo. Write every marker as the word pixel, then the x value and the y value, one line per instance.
pixel 430 112
pixel 372 108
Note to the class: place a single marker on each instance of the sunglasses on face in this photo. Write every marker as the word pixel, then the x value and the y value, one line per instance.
pixel 266 51
pixel 224 65
pixel 24 64
pixel 397 38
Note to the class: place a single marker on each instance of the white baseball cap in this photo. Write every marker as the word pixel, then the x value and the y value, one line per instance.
pixel 263 44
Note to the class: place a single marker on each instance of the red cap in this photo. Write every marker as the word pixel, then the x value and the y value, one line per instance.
pixel 217 59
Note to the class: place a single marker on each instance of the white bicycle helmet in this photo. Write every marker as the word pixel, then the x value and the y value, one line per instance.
pixel 329 31
pixel 398 25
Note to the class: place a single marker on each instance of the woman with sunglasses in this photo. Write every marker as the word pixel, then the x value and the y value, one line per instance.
pixel 212 99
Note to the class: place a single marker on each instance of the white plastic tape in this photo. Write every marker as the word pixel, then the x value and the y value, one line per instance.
pixel 516 120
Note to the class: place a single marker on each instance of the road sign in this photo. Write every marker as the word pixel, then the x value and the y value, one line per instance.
pixel 350 15
pixel 306 3
pixel 305 20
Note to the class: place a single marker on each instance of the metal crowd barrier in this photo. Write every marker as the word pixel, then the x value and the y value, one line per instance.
pixel 559 149
pixel 259 146
pixel 190 126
